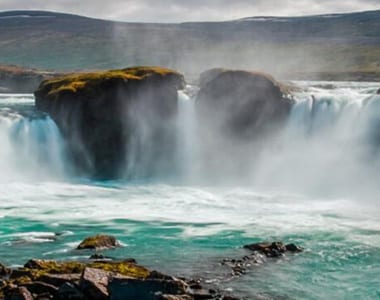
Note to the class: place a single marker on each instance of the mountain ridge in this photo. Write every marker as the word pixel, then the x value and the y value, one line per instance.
pixel 317 44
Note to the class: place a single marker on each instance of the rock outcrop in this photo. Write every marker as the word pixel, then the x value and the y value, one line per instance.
pixel 102 114
pixel 259 253
pixel 14 79
pixel 242 103
pixel 48 279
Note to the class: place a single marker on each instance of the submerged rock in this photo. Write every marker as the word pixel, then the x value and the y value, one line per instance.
pixel 101 113
pixel 242 103
pixel 99 241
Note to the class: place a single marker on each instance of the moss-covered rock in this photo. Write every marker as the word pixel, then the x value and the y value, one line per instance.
pixel 99 241
pixel 97 112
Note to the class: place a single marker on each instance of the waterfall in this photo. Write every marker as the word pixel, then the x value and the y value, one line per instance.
pixel 331 143
pixel 187 138
pixel 32 146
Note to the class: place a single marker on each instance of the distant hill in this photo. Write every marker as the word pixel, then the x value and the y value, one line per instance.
pixel 338 46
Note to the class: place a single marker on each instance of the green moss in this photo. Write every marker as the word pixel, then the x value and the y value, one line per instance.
pixel 87 82
pixel 34 269
pixel 123 268
pixel 98 241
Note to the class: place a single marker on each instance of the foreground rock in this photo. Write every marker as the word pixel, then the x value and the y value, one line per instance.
pixel 242 103
pixel 96 280
pixel 99 242
pixel 15 79
pixel 102 114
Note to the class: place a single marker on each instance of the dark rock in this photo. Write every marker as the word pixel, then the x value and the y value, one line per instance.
pixel 4 271
pixel 99 242
pixel 121 288
pixel 44 296
pixel 105 108
pixel 18 293
pixel 68 291
pixel 38 287
pixel 293 248
pixel 274 249
pixel 242 103
pixel 378 92
pixel 60 279
pixel 200 294
pixel 97 256
pixel 94 282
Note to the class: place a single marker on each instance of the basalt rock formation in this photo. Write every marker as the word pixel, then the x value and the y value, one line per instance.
pixel 102 113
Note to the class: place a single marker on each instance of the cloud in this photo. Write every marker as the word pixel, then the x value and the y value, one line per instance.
pixel 195 10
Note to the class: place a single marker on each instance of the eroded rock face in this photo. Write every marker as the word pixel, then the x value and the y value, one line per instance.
pixel 242 103
pixel 102 114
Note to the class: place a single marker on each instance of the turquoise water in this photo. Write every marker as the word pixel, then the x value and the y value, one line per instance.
pixel 188 230
pixel 319 192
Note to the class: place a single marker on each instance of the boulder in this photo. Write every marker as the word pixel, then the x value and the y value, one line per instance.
pixel 102 114
pixel 94 283
pixel 242 103
pixel 99 241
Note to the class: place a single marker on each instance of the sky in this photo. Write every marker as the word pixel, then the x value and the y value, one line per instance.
pixel 169 11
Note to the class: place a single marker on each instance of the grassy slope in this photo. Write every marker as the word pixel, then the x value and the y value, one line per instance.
pixel 346 45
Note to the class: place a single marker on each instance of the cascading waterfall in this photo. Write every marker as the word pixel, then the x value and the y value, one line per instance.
pixel 186 136
pixel 32 146
pixel 330 143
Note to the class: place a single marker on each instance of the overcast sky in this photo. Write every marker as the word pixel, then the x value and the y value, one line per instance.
pixel 190 10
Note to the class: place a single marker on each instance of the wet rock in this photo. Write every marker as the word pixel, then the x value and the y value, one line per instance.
pixel 102 108
pixel 69 291
pixel 99 241
pixel 293 248
pixel 274 249
pixel 94 283
pixel 242 103
pixel 121 288
pixel 18 293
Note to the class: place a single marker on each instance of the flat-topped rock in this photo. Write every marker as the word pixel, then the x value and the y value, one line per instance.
pixel 99 114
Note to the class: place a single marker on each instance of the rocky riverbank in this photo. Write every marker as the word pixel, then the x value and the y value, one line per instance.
pixel 101 278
